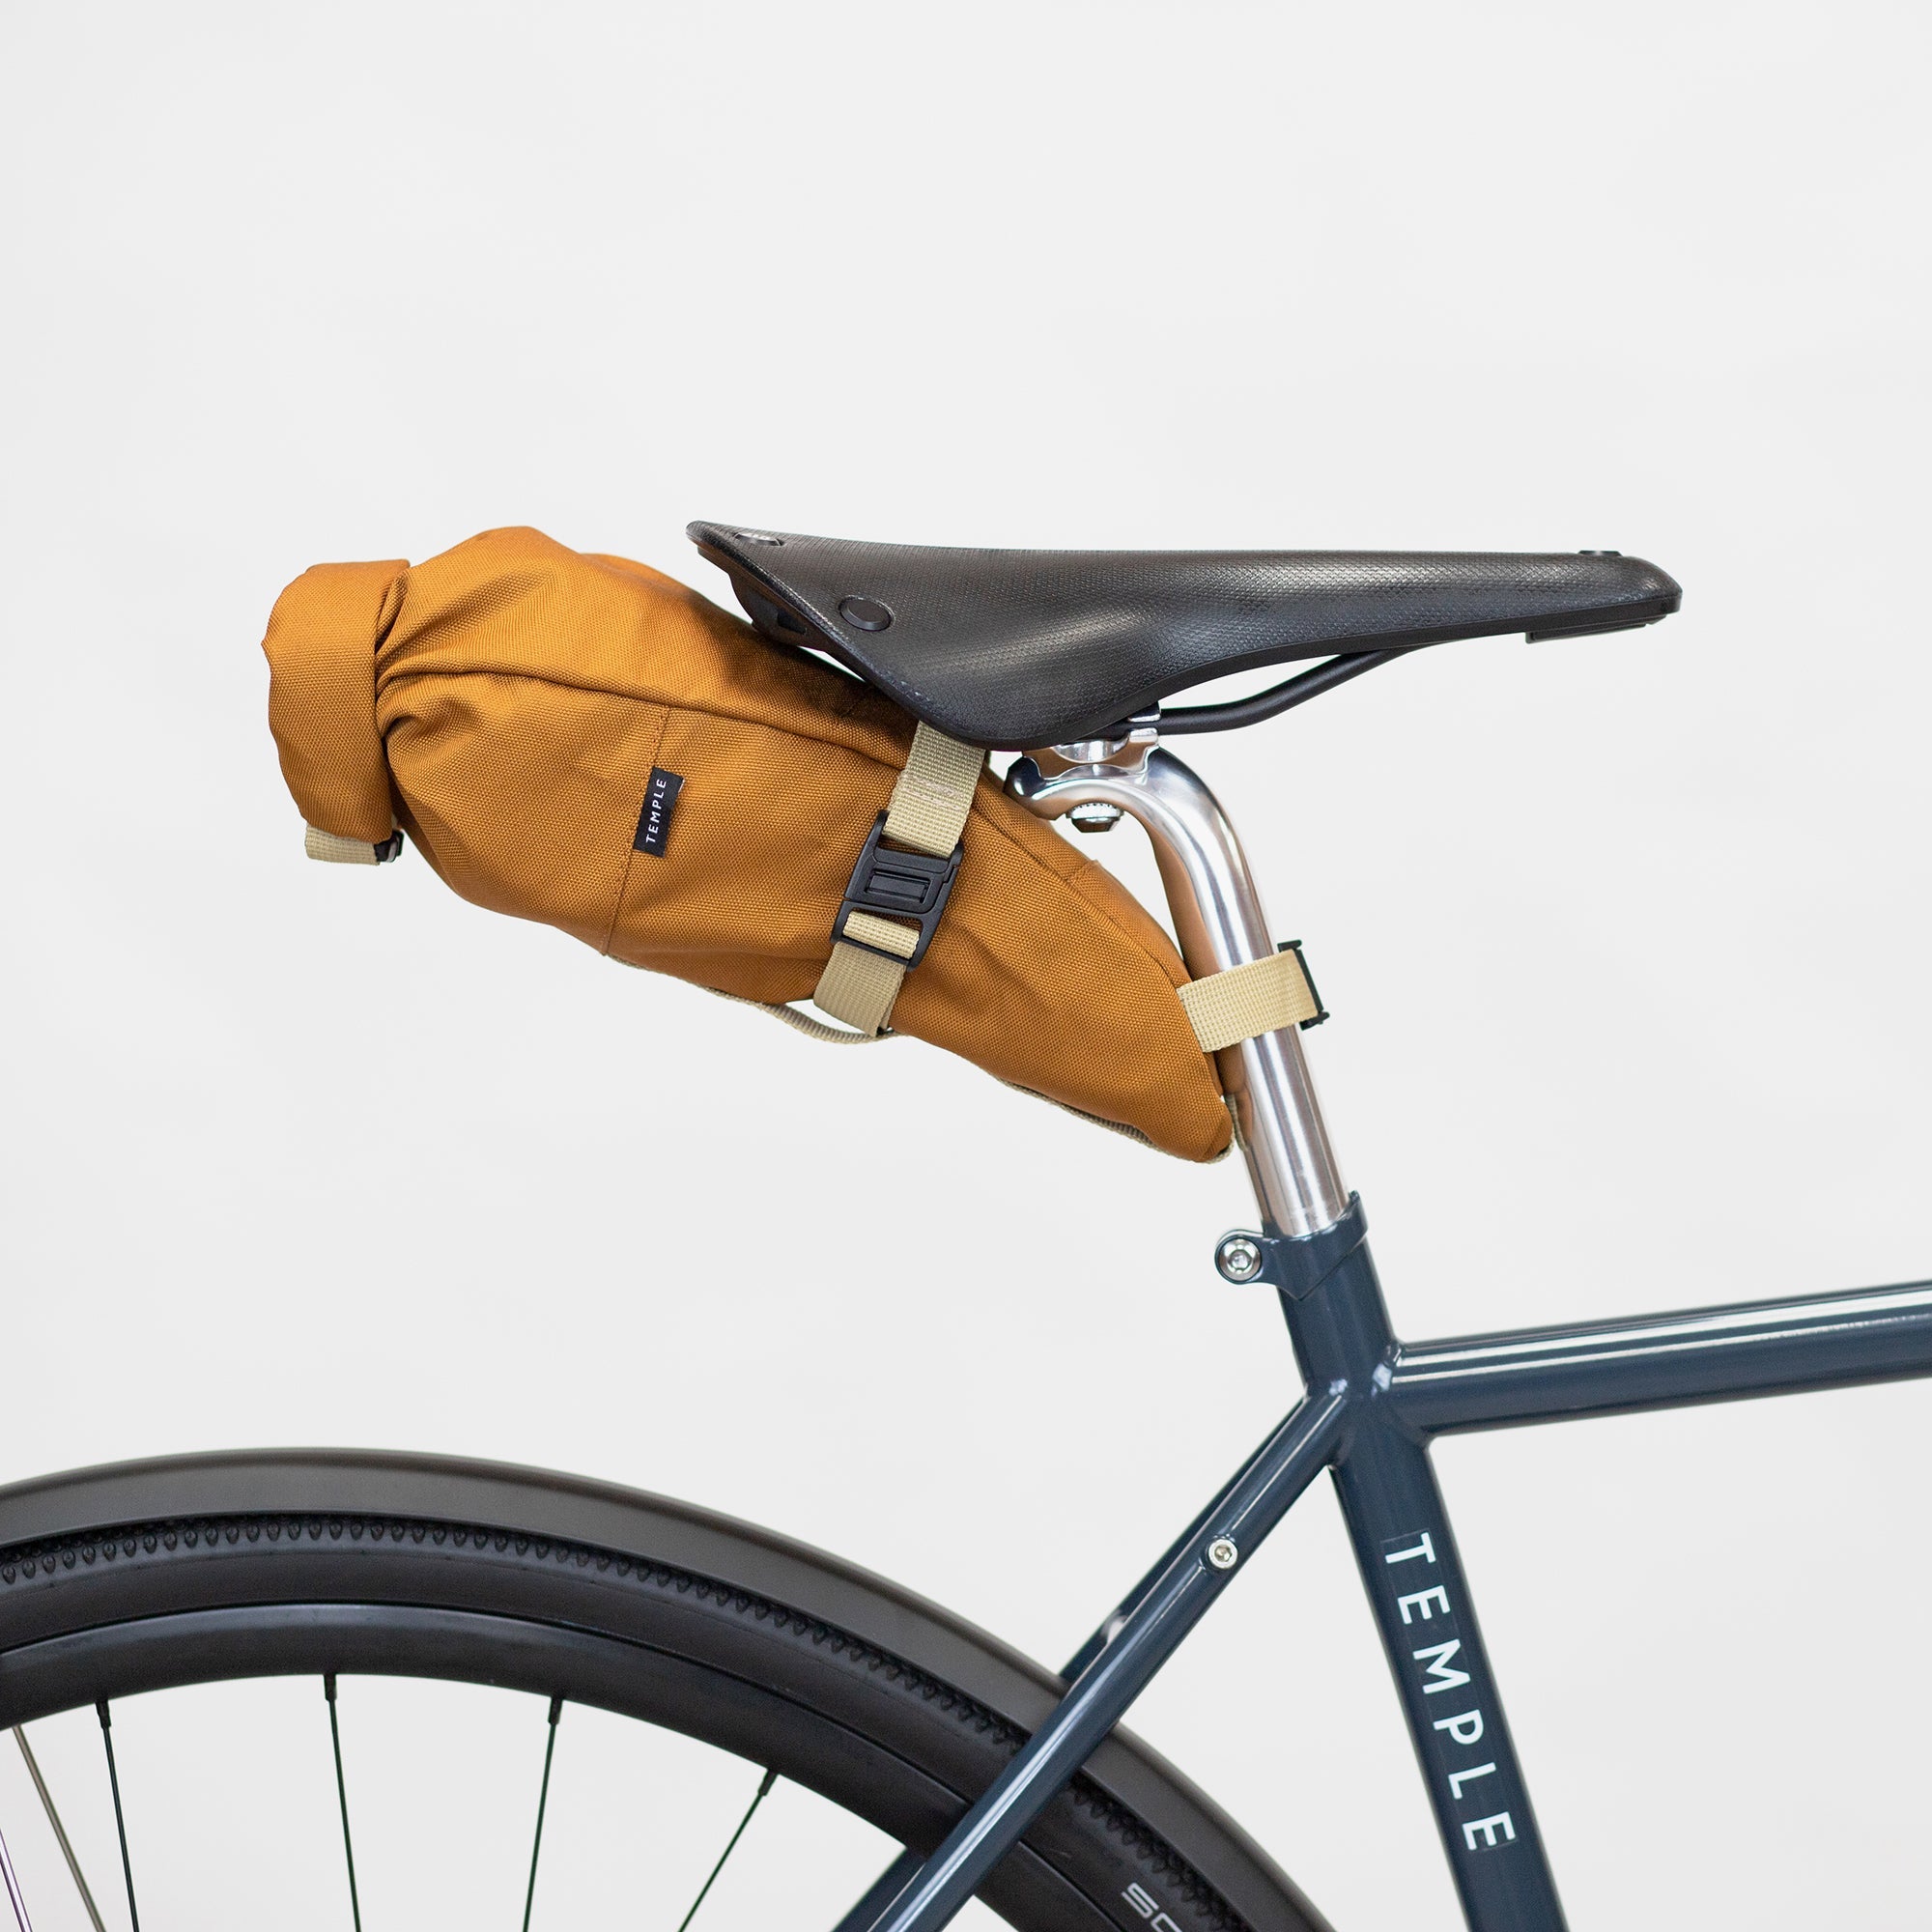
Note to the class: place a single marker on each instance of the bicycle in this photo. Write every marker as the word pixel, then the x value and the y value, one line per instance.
pixel 999 1778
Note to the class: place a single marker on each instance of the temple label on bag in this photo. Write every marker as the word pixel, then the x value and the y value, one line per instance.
pixel 654 821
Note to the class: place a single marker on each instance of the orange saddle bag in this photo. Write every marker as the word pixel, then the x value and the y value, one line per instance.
pixel 583 741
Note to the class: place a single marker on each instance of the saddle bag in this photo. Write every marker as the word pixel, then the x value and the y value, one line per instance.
pixel 583 741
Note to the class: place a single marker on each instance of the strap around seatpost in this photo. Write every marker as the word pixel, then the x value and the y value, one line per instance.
pixel 1245 1002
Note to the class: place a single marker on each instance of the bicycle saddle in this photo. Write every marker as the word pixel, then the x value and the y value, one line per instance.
pixel 1016 648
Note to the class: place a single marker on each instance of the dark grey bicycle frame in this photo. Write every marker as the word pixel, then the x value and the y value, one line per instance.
pixel 1369 1408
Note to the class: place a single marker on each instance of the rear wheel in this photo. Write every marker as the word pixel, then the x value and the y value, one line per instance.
pixel 151 1577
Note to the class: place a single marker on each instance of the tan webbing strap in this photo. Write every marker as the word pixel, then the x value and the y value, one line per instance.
pixel 870 929
pixel 927 814
pixel 811 1029
pixel 335 851
pixel 934 793
pixel 1248 1001
pixel 858 987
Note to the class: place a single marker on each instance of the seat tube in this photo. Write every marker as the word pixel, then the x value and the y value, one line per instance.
pixel 1415 1579
pixel 1220 923
pixel 1413 1576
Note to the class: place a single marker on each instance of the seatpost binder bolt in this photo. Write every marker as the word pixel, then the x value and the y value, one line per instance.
pixel 1095 816
pixel 1222 1553
pixel 1239 1258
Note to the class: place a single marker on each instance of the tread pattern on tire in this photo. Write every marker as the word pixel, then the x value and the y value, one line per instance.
pixel 169 1539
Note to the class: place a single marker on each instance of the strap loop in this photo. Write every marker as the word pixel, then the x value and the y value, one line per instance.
pixel 805 1023
pixel 1245 1002
pixel 335 850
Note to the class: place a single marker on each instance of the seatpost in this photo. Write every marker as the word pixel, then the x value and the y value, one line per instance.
pixel 1220 923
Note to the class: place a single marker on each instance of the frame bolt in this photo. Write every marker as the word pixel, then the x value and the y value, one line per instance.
pixel 1222 1553
pixel 1239 1258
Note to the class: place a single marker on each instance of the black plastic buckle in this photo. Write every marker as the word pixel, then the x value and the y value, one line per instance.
pixel 897 884
pixel 1314 992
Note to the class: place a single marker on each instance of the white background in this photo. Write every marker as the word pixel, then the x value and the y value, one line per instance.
pixel 1625 937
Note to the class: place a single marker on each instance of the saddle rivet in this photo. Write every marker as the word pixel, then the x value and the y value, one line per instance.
pixel 866 613
pixel 1222 1553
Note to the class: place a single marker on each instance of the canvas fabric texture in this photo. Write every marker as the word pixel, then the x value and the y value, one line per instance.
pixel 506 704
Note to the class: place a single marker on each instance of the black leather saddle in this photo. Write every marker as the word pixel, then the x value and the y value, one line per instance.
pixel 1018 648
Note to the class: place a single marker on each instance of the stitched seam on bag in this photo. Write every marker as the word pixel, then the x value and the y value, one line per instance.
pixel 400 677
pixel 631 857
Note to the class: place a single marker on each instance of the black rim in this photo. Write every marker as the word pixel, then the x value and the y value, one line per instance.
pixel 130 1604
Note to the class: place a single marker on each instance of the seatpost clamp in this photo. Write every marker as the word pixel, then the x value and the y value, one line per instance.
pixel 901 885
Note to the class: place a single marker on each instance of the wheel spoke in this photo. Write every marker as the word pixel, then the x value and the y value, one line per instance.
pixel 342 1799
pixel 771 1777
pixel 120 1822
pixel 543 1799
pixel 13 1898
pixel 81 1883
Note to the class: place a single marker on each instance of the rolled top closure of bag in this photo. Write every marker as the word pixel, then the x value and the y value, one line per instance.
pixel 321 645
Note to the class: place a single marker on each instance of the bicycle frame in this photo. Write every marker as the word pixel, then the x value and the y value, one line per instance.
pixel 1369 1406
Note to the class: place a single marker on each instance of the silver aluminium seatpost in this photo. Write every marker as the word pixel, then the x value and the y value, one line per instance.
pixel 1220 923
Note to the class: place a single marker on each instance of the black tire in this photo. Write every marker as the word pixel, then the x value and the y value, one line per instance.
pixel 144 1576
